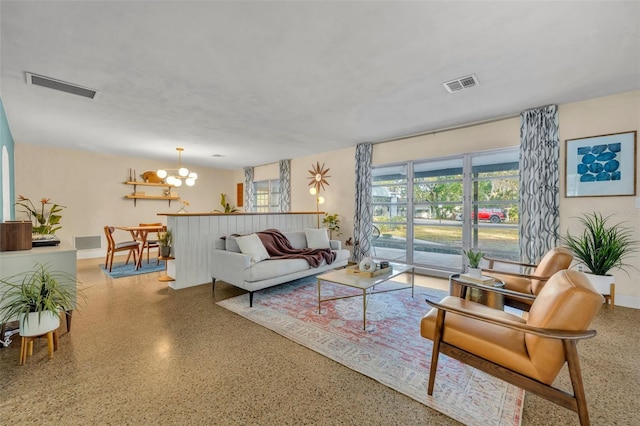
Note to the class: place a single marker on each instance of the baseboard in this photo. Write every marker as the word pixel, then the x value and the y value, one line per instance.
pixel 90 254
pixel 627 301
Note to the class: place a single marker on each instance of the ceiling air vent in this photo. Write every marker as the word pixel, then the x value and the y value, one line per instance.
pixel 461 83
pixel 52 83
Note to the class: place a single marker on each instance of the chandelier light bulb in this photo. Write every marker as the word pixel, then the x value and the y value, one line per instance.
pixel 176 176
pixel 320 200
pixel 312 191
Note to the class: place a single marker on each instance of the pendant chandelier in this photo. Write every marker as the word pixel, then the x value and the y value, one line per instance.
pixel 176 176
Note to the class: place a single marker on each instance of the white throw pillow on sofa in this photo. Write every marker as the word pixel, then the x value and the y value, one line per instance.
pixel 251 245
pixel 317 238
pixel 231 244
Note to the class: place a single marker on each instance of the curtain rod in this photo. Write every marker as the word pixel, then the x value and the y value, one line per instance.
pixel 448 129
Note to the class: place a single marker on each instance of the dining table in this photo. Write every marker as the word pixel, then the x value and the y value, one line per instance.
pixel 141 233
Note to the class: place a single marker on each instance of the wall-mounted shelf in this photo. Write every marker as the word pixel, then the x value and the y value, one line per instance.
pixel 135 197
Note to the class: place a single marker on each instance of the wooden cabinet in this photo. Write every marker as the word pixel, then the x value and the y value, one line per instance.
pixel 157 195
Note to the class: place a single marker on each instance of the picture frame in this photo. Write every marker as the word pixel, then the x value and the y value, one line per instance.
pixel 601 166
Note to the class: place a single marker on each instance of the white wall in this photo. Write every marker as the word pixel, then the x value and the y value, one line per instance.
pixel 338 194
pixel 611 114
pixel 91 187
pixel 499 134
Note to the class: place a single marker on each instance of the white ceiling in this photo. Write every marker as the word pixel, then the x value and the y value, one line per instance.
pixel 256 82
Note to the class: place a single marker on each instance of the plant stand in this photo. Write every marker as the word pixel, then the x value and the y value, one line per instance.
pixel 26 348
pixel 166 278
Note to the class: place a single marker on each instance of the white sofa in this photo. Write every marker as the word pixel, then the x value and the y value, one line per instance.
pixel 231 266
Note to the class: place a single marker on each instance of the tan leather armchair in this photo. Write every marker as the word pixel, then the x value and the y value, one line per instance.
pixel 556 259
pixel 527 353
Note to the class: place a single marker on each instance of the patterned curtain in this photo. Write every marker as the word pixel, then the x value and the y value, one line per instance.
pixel 539 182
pixel 362 225
pixel 285 185
pixel 248 190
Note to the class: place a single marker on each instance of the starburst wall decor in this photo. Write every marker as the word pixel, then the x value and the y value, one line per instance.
pixel 317 182
pixel 318 177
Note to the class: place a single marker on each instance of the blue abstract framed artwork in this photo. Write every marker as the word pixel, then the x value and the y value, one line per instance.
pixel 601 166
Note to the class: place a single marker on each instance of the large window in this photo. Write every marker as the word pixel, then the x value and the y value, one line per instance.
pixel 494 204
pixel 467 201
pixel 267 196
pixel 390 212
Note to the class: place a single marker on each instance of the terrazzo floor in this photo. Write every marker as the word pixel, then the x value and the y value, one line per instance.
pixel 141 353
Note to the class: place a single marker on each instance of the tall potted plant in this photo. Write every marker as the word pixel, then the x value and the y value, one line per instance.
pixel 36 298
pixel 600 248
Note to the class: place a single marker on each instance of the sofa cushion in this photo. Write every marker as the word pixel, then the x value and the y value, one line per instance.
pixel 251 245
pixel 268 269
pixel 317 238
pixel 231 244
pixel 297 239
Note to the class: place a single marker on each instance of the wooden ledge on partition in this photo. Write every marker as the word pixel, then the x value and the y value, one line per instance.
pixel 235 214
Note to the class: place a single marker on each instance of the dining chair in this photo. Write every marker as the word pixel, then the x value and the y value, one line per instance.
pixel 152 243
pixel 526 352
pixel 113 247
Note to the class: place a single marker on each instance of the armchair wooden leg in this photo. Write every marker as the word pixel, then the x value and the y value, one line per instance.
pixel 436 351
pixel 69 314
pixel 571 353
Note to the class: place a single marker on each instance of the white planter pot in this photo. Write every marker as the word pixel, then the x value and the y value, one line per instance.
pixel 33 324
pixel 475 272
pixel 602 283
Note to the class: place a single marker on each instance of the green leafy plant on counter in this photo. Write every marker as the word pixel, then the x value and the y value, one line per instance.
pixel 227 208
pixel 44 222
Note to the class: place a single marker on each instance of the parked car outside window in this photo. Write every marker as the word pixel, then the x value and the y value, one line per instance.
pixel 492 215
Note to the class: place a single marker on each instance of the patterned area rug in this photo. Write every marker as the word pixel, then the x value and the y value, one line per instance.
pixel 120 270
pixel 390 350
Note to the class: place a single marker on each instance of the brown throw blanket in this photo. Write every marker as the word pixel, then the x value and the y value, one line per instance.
pixel 279 247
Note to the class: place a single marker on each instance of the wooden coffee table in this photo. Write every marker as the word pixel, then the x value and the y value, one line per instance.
pixel 365 284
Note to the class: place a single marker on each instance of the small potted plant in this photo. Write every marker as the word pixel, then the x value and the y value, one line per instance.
pixel 332 223
pixel 165 240
pixel 473 258
pixel 226 207
pixel 36 298
pixel 600 248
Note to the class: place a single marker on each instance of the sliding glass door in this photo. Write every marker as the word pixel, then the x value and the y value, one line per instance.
pixel 455 203
pixel 390 206
pixel 437 201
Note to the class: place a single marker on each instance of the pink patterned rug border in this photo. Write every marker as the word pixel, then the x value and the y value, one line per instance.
pixel 391 350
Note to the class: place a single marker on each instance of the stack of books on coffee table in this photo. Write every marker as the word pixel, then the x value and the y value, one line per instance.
pixel 478 280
